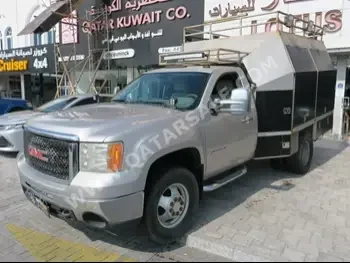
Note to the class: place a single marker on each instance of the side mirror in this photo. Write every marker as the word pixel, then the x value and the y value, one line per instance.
pixel 239 102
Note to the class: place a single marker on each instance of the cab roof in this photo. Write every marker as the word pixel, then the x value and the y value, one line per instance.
pixel 199 69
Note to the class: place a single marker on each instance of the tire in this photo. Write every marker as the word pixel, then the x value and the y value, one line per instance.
pixel 296 163
pixel 175 178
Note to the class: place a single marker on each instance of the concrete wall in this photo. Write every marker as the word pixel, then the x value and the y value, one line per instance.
pixel 15 14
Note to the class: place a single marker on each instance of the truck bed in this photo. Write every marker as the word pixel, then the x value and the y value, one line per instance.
pixel 295 81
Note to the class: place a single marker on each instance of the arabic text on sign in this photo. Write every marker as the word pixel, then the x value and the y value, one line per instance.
pixel 136 5
pixel 116 5
pixel 232 10
pixel 274 4
pixel 131 36
pixel 36 52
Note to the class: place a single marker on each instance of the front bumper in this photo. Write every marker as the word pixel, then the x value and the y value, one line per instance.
pixel 84 196
pixel 11 140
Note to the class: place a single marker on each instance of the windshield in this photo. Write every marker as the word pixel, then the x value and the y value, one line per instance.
pixel 55 105
pixel 186 88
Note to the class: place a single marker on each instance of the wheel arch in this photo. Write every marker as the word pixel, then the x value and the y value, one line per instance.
pixel 187 157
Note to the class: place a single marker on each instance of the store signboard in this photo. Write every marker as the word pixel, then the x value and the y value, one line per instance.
pixel 119 54
pixel 146 27
pixel 167 50
pixel 38 59
pixel 13 65
pixel 259 16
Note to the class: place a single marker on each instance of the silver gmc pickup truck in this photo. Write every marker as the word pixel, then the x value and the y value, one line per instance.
pixel 177 132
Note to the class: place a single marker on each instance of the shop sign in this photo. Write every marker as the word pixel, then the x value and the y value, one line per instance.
pixel 137 29
pixel 332 19
pixel 168 50
pixel 133 20
pixel 13 65
pixel 72 58
pixel 119 54
pixel 36 59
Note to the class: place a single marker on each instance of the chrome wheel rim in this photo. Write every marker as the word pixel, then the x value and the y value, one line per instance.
pixel 173 206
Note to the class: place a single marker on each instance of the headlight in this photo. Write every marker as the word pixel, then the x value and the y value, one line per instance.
pixel 29 105
pixel 11 126
pixel 101 157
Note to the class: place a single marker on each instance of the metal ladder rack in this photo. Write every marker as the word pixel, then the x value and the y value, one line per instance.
pixel 211 57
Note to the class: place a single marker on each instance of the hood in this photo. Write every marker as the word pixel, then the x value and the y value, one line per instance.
pixel 97 122
pixel 18 117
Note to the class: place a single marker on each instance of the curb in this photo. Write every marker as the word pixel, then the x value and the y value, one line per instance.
pixel 222 249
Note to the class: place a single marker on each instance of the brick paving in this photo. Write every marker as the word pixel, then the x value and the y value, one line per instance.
pixel 274 216
pixel 264 216
pixel 27 235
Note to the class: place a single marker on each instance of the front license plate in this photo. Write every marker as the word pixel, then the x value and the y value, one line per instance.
pixel 38 202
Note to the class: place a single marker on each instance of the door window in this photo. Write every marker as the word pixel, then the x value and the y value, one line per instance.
pixel 224 86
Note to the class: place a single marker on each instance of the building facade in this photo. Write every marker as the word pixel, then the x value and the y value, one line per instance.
pixel 333 15
pixel 132 35
pixel 26 62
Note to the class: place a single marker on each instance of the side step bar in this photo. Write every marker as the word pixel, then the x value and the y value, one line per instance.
pixel 224 181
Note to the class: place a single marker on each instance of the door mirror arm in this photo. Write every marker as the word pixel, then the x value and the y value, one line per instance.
pixel 214 106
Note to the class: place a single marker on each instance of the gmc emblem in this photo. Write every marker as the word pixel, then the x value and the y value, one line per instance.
pixel 36 153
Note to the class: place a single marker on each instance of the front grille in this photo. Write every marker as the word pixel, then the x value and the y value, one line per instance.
pixel 4 143
pixel 53 157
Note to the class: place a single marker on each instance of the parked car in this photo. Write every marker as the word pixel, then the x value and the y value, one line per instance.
pixel 8 105
pixel 11 131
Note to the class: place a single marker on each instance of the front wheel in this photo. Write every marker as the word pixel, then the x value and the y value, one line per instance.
pixel 300 162
pixel 171 205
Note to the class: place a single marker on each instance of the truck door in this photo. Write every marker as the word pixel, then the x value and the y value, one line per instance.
pixel 247 121
pixel 230 137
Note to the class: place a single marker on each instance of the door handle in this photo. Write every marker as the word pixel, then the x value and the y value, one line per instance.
pixel 247 119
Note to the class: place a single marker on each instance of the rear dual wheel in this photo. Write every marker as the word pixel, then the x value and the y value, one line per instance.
pixel 300 162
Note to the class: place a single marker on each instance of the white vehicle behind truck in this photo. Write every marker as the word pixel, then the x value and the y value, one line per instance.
pixel 177 132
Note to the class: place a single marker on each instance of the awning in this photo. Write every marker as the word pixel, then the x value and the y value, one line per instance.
pixel 49 17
